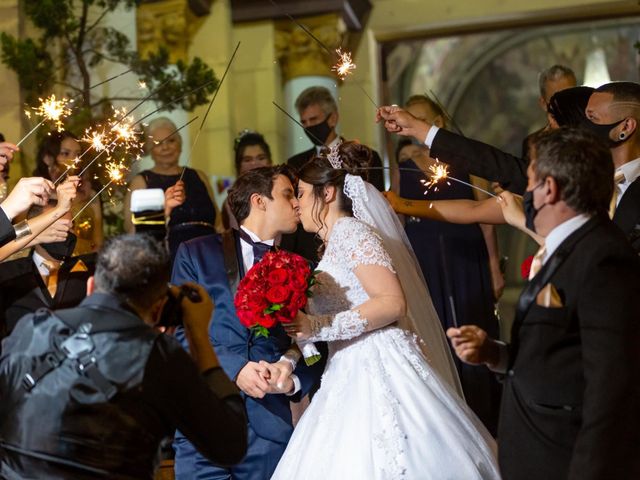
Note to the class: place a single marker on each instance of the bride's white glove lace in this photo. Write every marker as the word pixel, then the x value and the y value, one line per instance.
pixel 342 326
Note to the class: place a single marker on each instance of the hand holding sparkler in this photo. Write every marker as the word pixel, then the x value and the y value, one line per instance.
pixel 66 194
pixel 174 196
pixel 397 120
pixel 6 153
pixel 27 192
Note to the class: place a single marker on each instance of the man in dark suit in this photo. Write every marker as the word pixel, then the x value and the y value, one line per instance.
pixel 264 203
pixel 49 277
pixel 571 385
pixel 614 114
pixel 319 116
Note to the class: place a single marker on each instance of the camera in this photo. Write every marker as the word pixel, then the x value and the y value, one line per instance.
pixel 147 212
pixel 172 311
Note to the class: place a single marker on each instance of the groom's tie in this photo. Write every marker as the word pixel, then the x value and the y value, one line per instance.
pixel 259 248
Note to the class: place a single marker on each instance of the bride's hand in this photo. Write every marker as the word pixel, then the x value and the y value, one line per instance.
pixel 300 327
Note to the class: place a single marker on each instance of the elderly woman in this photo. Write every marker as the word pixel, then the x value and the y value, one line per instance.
pixel 55 154
pixel 190 204
pixel 251 151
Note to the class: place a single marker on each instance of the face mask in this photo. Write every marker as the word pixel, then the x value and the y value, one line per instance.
pixel 61 250
pixel 530 211
pixel 603 132
pixel 319 133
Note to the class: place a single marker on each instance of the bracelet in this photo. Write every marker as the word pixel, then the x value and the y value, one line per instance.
pixel 22 229
pixel 288 358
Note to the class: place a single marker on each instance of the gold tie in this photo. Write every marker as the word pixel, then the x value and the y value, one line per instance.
pixel 617 180
pixel 536 263
pixel 52 278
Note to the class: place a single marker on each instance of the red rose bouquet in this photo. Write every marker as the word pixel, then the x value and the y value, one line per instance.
pixel 272 292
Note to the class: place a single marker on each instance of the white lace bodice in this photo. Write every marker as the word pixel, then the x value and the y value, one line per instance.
pixel 351 243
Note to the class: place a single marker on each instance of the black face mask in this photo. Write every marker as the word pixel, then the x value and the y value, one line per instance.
pixel 319 133
pixel 603 132
pixel 61 250
pixel 530 211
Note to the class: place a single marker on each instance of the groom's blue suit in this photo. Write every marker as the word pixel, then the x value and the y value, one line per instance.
pixel 215 262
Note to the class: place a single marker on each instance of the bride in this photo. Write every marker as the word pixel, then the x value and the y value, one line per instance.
pixel 390 404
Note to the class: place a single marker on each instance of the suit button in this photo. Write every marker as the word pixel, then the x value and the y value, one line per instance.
pixel 511 373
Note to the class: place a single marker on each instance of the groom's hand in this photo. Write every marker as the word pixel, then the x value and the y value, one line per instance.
pixel 279 376
pixel 252 380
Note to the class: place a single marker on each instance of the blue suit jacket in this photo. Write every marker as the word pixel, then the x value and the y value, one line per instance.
pixel 214 262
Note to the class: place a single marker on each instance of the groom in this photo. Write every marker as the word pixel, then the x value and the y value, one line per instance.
pixel 264 203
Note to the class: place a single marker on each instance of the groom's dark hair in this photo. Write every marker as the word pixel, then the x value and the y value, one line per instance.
pixel 258 180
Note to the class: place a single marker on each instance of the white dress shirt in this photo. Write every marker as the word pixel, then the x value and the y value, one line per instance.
pixel 630 171
pixel 431 134
pixel 336 141
pixel 247 260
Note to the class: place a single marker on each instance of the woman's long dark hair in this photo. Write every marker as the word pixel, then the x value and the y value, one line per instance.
pixel 50 146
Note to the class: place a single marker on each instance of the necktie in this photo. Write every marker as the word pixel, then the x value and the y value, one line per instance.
pixel 52 278
pixel 617 180
pixel 259 248
pixel 536 263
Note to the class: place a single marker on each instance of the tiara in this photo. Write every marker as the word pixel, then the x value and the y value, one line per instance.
pixel 241 135
pixel 334 156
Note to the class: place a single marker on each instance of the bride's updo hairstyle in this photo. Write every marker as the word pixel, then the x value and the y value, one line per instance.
pixel 320 173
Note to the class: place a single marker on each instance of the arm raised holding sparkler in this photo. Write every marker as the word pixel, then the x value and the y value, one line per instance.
pixel 507 208
pixel 66 192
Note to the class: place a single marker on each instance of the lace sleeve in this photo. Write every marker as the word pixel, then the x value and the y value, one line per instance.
pixel 342 326
pixel 365 247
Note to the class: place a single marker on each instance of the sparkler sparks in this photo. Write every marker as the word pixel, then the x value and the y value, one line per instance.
pixel 142 84
pixel 345 65
pixel 440 171
pixel 54 110
pixel 116 172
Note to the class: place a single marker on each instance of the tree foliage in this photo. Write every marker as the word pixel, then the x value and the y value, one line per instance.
pixel 73 40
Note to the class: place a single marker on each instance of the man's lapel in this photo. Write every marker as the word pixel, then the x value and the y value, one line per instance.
pixel 232 254
pixel 543 277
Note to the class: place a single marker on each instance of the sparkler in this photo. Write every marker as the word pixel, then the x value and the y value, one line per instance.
pixel 345 65
pixel 446 114
pixel 294 120
pixel 52 110
pixel 116 171
pixel 204 119
pixel 440 171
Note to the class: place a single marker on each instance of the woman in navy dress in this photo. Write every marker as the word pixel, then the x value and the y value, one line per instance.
pixel 455 263
pixel 189 202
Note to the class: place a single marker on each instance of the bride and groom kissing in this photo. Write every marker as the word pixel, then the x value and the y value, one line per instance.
pixel 380 398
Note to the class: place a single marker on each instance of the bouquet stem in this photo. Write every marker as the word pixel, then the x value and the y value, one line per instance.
pixel 309 351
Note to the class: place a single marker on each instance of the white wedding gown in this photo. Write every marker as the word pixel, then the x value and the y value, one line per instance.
pixel 381 412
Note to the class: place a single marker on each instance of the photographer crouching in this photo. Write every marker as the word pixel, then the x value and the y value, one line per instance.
pixel 90 392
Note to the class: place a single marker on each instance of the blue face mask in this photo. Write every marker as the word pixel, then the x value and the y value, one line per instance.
pixel 530 211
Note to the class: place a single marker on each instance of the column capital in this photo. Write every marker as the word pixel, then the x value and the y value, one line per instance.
pixel 169 23
pixel 299 54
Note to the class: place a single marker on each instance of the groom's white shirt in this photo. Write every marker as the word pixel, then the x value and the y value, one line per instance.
pixel 247 260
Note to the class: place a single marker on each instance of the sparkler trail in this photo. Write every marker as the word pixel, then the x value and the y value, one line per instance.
pixel 50 109
pixel 345 65
pixel 296 121
pixel 446 113
pixel 204 119
pixel 116 171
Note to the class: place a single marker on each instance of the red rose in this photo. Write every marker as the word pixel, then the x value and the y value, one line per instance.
pixel 267 321
pixel 298 301
pixel 525 267
pixel 277 294
pixel 278 276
